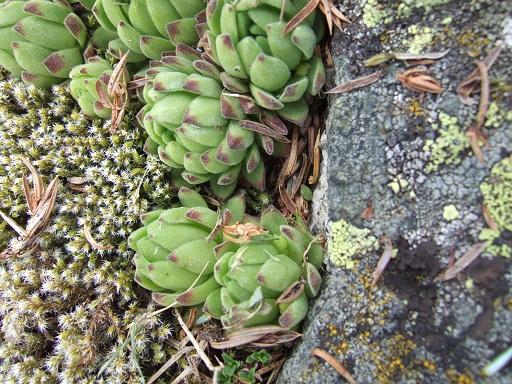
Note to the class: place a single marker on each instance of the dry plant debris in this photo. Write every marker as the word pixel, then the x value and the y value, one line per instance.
pixel 334 363
pixel 417 80
pixel 260 337
pixel 382 58
pixel 332 15
pixel 384 259
pixel 462 263
pixel 40 202
pixel 471 84
pixel 357 83
pixel 116 96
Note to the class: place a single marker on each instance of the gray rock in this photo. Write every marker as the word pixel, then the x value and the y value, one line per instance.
pixel 411 327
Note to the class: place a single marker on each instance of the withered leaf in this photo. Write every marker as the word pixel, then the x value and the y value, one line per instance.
pixel 357 83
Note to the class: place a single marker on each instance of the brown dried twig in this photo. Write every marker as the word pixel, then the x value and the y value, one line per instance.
pixel 40 202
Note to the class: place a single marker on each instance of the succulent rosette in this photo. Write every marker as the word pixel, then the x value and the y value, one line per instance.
pixel 175 249
pixel 202 132
pixel 85 81
pixel 41 41
pixel 269 278
pixel 246 38
pixel 149 27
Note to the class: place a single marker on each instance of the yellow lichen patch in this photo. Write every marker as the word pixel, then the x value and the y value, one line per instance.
pixel 389 357
pixel 459 378
pixel 429 365
pixel 415 108
pixel 474 43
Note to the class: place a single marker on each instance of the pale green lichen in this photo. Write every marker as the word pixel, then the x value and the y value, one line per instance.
pixel 446 148
pixel 421 38
pixel 497 197
pixel 346 241
pixel 406 7
pixel 450 212
pixel 496 116
pixel 375 13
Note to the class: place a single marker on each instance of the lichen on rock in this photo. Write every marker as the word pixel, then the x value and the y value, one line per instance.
pixel 346 241
pixel 497 198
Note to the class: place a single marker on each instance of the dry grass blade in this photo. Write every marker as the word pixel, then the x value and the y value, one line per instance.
pixel 264 130
pixel 462 263
pixel 488 219
pixel 40 201
pixel 484 94
pixel 300 16
pixel 316 161
pixel 267 335
pixel 382 58
pixel 334 363
pixel 329 9
pixel 384 259
pixel 357 83
pixel 93 242
pixel 196 345
pixel 471 83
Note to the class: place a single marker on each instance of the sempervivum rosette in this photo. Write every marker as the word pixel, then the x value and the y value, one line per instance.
pixel 40 40
pixel 175 249
pixel 269 278
pixel 85 81
pixel 202 132
pixel 279 70
pixel 149 27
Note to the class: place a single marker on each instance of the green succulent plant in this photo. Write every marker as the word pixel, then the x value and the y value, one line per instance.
pixel 40 41
pixel 246 38
pixel 175 249
pixel 204 133
pixel 262 270
pixel 149 27
pixel 85 81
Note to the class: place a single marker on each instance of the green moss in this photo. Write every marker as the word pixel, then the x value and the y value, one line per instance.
pixel 447 147
pixel 65 308
pixel 347 241
pixel 497 197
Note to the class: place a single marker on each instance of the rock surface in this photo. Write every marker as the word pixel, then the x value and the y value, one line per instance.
pixel 411 158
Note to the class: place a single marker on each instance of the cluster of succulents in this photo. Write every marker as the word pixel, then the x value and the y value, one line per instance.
pixel 223 87
pixel 237 272
pixel 247 39
pixel 41 41
pixel 148 28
